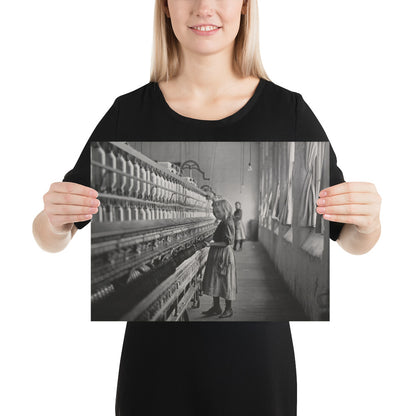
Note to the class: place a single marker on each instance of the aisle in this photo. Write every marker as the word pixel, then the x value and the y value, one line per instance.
pixel 262 294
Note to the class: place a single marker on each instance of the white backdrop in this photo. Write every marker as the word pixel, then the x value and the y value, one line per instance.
pixel 64 63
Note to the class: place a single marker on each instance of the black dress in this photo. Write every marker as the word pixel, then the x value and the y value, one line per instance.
pixel 207 368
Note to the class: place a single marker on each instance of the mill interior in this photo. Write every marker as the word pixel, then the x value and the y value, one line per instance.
pixel 149 238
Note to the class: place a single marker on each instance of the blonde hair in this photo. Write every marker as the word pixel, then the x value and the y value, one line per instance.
pixel 165 62
pixel 226 207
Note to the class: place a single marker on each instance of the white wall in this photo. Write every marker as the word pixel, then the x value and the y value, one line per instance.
pixel 64 64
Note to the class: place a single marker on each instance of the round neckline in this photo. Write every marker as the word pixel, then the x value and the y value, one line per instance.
pixel 231 118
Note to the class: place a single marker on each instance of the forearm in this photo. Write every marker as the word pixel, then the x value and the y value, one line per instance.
pixel 47 238
pixel 218 244
pixel 354 242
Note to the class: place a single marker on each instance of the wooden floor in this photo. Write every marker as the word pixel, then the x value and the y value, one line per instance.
pixel 262 294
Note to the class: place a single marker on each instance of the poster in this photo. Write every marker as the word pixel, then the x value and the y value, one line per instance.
pixel 183 224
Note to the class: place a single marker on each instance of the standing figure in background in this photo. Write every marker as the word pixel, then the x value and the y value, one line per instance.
pixel 220 277
pixel 240 233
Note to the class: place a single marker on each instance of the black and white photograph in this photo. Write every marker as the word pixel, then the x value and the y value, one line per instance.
pixel 209 231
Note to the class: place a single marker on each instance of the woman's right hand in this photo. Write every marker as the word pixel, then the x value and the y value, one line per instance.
pixel 69 202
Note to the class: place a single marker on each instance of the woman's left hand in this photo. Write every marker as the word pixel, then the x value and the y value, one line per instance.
pixel 356 203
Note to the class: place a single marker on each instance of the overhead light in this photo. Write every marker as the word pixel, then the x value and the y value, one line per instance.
pixel 249 163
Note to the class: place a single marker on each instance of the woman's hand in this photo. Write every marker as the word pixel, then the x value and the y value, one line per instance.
pixel 69 202
pixel 356 203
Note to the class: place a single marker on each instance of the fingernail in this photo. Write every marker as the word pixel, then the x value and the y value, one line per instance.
pixel 322 193
pixel 321 210
pixel 327 216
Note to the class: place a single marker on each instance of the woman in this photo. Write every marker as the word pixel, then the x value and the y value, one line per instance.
pixel 240 234
pixel 207 81
pixel 220 279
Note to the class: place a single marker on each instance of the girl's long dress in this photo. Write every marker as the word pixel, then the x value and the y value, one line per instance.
pixel 220 276
pixel 240 233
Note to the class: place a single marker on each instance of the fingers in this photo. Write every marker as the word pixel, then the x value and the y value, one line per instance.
pixel 359 220
pixel 73 188
pixel 69 202
pixel 348 187
pixel 60 198
pixel 349 198
pixel 71 209
pixel 355 203
pixel 350 209
pixel 364 223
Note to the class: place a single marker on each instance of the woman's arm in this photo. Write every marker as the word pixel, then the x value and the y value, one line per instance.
pixel 357 205
pixel 48 237
pixel 356 242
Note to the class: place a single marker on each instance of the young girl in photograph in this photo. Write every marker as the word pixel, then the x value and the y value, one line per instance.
pixel 240 234
pixel 220 277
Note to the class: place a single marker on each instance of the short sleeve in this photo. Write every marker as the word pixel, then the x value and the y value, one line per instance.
pixel 105 130
pixel 229 232
pixel 308 127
